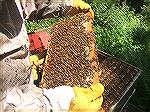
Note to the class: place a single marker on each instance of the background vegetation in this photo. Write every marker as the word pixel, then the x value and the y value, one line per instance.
pixel 122 29
pixel 125 34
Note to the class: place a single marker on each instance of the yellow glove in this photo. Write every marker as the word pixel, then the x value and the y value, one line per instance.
pixel 82 5
pixel 35 62
pixel 87 99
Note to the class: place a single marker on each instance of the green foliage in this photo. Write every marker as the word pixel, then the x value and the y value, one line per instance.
pixel 119 31
pixel 40 24
pixel 105 1
pixel 125 35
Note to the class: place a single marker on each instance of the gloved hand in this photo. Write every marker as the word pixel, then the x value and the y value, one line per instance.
pixel 36 62
pixel 82 5
pixel 87 99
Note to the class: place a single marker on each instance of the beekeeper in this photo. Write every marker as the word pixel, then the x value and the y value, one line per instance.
pixel 17 92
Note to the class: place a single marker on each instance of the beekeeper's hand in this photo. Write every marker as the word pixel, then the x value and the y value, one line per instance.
pixel 36 63
pixel 83 5
pixel 87 99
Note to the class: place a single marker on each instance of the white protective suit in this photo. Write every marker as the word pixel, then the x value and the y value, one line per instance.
pixel 16 92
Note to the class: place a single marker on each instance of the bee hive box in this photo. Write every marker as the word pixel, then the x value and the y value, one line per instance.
pixel 118 78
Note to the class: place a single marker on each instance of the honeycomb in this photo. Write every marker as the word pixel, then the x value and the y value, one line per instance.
pixel 72 55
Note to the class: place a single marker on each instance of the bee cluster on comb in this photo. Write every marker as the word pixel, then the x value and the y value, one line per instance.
pixel 71 57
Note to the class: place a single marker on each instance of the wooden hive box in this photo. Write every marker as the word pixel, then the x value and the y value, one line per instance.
pixel 119 79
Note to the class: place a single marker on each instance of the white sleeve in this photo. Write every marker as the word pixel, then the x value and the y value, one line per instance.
pixel 59 98
pixel 26 98
pixel 29 98
pixel 39 9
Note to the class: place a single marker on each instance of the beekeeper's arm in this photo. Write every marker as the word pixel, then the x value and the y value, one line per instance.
pixel 40 9
pixel 30 98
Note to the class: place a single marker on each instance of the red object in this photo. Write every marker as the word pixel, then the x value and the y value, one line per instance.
pixel 38 41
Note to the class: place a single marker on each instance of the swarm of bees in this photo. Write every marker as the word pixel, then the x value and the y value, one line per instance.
pixel 71 57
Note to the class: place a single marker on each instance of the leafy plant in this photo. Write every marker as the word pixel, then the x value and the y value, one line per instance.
pixel 124 34
pixel 40 24
pixel 116 29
